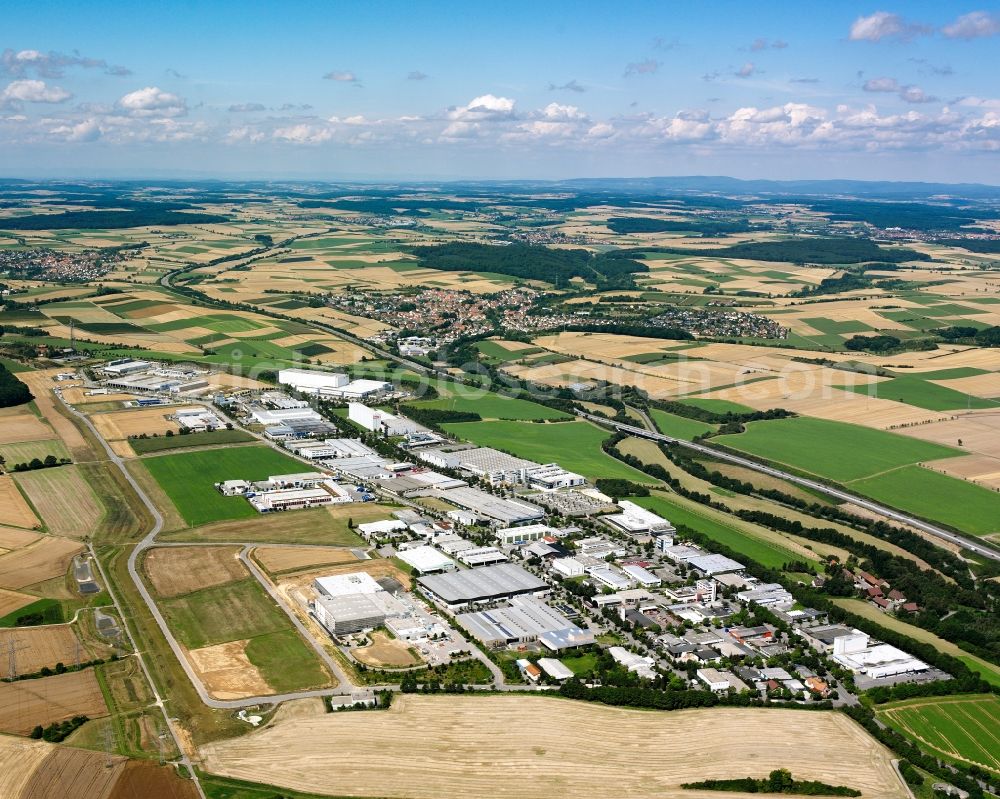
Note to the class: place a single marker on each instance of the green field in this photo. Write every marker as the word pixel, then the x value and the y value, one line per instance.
pixel 717 405
pixel 834 450
pixel 25 451
pixel 495 406
pixel 188 478
pixel 160 443
pixel 949 500
pixel 493 351
pixel 958 728
pixel 223 613
pixel 51 611
pixel 679 426
pixel 575 446
pixel 916 390
pixel 285 661
pixel 764 552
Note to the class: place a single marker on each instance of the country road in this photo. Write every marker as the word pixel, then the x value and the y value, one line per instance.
pixel 815 485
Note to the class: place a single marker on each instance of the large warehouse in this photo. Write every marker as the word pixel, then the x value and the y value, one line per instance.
pixel 455 590
pixel 525 619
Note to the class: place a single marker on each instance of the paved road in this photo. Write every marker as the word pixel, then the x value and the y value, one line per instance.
pixel 158 700
pixel 882 510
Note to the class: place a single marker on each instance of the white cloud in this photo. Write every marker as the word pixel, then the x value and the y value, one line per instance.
pixel 242 108
pixel 33 91
pixel 975 25
pixel 747 70
pixel 417 75
pixel 558 111
pixel 19 63
pixel 304 134
pixel 914 94
pixel 341 76
pixel 153 102
pixel 883 25
pixel 485 106
pixel 763 44
pixel 85 131
pixel 908 93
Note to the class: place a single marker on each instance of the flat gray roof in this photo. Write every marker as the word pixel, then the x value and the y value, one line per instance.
pixel 486 582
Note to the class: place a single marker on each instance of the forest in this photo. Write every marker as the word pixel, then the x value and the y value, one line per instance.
pixel 12 390
pixel 705 227
pixel 531 262
pixel 803 251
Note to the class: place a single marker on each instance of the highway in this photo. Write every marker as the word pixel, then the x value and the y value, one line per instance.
pixel 836 493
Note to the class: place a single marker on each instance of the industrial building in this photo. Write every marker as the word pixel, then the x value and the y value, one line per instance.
pixel 766 594
pixel 637 664
pixel 454 590
pixel 198 419
pixel 330 448
pixel 555 669
pixel 298 498
pixel 641 575
pixel 523 620
pixel 525 534
pixel 332 384
pixel 426 560
pixel 480 556
pixel 855 652
pixel 551 476
pixel 497 467
pixel 721 681
pixel 341 584
pixel 379 421
pixel 504 511
pixel 610 577
pixel 636 520
pixel 353 613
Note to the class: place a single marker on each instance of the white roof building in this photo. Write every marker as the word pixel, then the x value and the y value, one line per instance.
pixel 641 575
pixel 343 584
pixel 380 421
pixel 426 560
pixel 555 669
pixel 637 520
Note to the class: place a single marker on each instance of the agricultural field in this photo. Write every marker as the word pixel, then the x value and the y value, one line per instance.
pixel 180 570
pixel 386 754
pixel 671 424
pixel 832 449
pixel 188 479
pixel 241 642
pixel 37 647
pixel 46 558
pixel 64 498
pixel 494 406
pixel 14 508
pixel 576 445
pixel 144 446
pixel 965 729
pixel 47 700
pixel 280 560
pixel 327 526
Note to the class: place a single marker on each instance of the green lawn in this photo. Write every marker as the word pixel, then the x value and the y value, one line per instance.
pixel 188 478
pixel 575 446
pixel 679 426
pixel 957 728
pixel 494 351
pixel 495 406
pixel 223 613
pixel 286 661
pixel 717 405
pixel 949 500
pixel 834 450
pixel 51 611
pixel 756 549
pixel 144 445
pixel 921 393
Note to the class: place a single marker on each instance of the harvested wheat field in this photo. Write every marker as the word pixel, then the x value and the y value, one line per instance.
pixel 19 759
pixel 12 600
pixel 445 748
pixel 48 700
pixel 290 559
pixel 47 558
pixel 70 772
pixel 64 498
pixel 144 780
pixel 116 425
pixel 180 570
pixel 40 384
pixel 12 538
pixel 980 469
pixel 227 672
pixel 23 427
pixel 40 646
pixel 14 509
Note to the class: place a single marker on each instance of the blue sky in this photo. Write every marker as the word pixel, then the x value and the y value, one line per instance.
pixel 513 90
